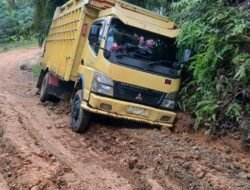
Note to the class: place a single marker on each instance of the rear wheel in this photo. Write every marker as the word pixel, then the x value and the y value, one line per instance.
pixel 80 119
pixel 44 96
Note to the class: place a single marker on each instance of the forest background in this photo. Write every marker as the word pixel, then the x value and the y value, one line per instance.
pixel 216 90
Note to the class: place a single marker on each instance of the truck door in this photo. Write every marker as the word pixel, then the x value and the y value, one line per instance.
pixel 90 55
pixel 94 42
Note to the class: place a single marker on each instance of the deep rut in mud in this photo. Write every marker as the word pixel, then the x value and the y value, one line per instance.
pixel 38 150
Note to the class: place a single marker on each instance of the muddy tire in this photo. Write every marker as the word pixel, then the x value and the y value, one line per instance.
pixel 80 119
pixel 44 96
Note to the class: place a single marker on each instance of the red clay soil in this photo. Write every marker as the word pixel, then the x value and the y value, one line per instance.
pixel 38 150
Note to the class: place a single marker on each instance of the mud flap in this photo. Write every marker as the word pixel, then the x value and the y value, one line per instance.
pixel 59 88
pixel 40 79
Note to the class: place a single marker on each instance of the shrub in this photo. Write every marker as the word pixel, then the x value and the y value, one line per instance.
pixel 218 33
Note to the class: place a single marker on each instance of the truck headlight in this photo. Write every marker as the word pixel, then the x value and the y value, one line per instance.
pixel 169 101
pixel 102 84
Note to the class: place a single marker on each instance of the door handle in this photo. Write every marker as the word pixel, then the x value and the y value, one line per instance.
pixel 82 61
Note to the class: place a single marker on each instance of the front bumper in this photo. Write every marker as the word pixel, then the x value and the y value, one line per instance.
pixel 130 111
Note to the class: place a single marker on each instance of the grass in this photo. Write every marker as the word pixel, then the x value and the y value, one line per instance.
pixel 4 47
pixel 36 69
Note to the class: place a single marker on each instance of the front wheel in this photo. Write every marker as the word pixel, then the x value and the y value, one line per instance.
pixel 80 119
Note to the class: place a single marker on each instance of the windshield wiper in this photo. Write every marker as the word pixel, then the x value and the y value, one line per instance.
pixel 119 55
pixel 159 62
pixel 129 54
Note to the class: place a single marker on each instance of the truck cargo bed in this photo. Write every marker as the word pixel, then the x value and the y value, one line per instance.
pixel 65 41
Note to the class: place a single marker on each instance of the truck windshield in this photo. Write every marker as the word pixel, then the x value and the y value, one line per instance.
pixel 142 50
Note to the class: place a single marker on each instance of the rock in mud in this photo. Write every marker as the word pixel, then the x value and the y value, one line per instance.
pixel 139 166
pixel 25 67
pixel 7 168
pixel 132 162
pixel 9 174
pixel 132 142
pixel 184 123
pixel 187 165
pixel 158 160
pixel 58 111
pixel 51 107
pixel 53 159
pixel 35 188
pixel 195 148
pixel 200 171
pixel 228 150
pixel 165 131
pixel 244 175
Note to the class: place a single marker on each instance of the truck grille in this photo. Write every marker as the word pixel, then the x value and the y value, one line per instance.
pixel 131 93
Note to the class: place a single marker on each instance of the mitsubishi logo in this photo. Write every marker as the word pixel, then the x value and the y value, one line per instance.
pixel 139 97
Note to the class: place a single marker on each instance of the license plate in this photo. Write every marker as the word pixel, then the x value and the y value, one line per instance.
pixel 138 111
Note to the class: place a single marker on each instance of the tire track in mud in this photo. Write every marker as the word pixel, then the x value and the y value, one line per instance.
pixel 47 148
pixel 25 130
pixel 27 165
pixel 173 162
pixel 38 149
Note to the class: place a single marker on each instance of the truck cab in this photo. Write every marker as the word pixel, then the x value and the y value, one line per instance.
pixel 124 65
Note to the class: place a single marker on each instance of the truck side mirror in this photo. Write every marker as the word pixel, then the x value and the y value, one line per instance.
pixel 106 53
pixel 94 34
pixel 186 55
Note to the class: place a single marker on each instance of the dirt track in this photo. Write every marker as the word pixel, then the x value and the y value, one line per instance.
pixel 38 150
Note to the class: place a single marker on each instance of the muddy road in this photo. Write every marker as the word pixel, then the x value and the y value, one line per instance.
pixel 38 150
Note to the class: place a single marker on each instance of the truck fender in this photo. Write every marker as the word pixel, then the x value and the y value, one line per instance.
pixel 79 84
pixel 40 79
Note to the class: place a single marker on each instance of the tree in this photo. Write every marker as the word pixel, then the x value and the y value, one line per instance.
pixel 159 6
pixel 44 11
pixel 11 4
pixel 8 23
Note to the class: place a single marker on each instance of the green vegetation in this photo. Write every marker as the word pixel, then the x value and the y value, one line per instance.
pixel 44 11
pixel 17 44
pixel 16 20
pixel 36 69
pixel 218 92
pixel 159 6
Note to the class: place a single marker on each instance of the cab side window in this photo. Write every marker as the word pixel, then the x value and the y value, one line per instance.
pixel 96 34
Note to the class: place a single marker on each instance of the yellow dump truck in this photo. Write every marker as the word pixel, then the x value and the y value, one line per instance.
pixel 112 58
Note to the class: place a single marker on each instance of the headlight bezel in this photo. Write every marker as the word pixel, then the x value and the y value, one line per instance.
pixel 169 101
pixel 102 84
